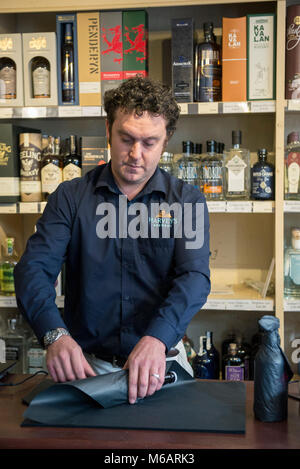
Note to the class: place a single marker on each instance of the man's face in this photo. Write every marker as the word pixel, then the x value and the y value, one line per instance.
pixel 137 143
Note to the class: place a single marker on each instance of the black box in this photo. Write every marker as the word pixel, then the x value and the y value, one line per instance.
pixel 182 59
pixel 94 151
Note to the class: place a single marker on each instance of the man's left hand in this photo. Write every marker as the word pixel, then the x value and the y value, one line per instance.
pixel 147 366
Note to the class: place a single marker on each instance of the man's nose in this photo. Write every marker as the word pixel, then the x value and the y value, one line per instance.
pixel 136 150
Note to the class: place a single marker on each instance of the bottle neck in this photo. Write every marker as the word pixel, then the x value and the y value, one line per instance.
pixel 271 338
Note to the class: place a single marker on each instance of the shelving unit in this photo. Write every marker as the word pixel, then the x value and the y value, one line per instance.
pixel 252 232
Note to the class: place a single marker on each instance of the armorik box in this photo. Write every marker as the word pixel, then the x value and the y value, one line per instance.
pixel 261 56
pixel 11 47
pixel 94 152
pixel 111 46
pixel 234 59
pixel 10 162
pixel 88 33
pixel 39 45
pixel 61 21
pixel 182 59
pixel 135 43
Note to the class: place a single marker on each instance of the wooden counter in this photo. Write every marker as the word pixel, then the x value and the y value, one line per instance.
pixel 282 435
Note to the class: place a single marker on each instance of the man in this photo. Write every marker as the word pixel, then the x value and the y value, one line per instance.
pixel 132 281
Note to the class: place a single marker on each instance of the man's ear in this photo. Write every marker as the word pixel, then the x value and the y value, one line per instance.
pixel 107 130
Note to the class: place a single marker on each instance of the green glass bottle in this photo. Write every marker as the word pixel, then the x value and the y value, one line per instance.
pixel 7 287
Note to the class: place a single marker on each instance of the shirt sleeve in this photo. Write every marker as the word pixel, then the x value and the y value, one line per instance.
pixel 37 271
pixel 191 282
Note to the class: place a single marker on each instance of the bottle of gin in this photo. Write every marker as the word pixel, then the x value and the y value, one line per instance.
pixel 233 365
pixel 8 262
pixel 51 172
pixel 187 167
pixel 292 266
pixel 15 345
pixel 211 173
pixel 237 169
pixel 208 71
pixel 262 178
pixel 36 356
pixel 292 167
pixel 166 162
pixel 72 161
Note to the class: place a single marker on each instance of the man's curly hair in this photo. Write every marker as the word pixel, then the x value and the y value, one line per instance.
pixel 140 94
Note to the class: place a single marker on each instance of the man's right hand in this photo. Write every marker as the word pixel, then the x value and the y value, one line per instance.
pixel 66 361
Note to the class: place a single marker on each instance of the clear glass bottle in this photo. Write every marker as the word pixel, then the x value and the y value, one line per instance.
pixel 208 69
pixel 51 172
pixel 262 178
pixel 8 262
pixel 15 345
pixel 237 169
pixel 233 366
pixel 36 356
pixel 67 66
pixel 8 78
pixel 40 73
pixel 292 167
pixel 292 266
pixel 211 173
pixel 187 167
pixel 71 161
pixel 166 162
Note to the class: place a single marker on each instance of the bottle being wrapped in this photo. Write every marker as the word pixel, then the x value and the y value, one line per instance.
pixel 272 372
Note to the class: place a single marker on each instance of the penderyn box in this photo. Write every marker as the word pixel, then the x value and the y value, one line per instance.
pixel 111 47
pixel 88 35
pixel 11 47
pixel 234 59
pixel 135 43
pixel 261 56
pixel 39 45
pixel 182 59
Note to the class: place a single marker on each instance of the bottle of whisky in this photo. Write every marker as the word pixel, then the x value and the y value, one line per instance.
pixel 211 173
pixel 237 169
pixel 8 89
pixel 72 161
pixel 292 167
pixel 262 178
pixel 30 150
pixel 8 262
pixel 40 72
pixel 187 167
pixel 208 70
pixel 51 172
pixel 67 66
pixel 292 266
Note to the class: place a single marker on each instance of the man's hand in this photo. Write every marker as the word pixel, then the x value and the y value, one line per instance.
pixel 147 359
pixel 66 362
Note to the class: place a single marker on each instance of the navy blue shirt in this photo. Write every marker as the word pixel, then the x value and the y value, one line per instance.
pixel 121 284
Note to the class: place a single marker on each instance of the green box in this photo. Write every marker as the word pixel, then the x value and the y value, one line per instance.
pixel 135 43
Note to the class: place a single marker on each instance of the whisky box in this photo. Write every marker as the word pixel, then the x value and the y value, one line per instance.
pixel 94 152
pixel 30 151
pixel 111 47
pixel 61 21
pixel 10 162
pixel 11 47
pixel 88 35
pixel 36 45
pixel 234 59
pixel 182 44
pixel 135 43
pixel 261 56
pixel 292 56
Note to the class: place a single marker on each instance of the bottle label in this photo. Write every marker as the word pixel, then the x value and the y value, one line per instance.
pixel 7 83
pixel 41 83
pixel 71 171
pixel 293 172
pixel 7 280
pixel 187 172
pixel 234 373
pixel 211 179
pixel 295 268
pixel 262 183
pixel 236 174
pixel 51 178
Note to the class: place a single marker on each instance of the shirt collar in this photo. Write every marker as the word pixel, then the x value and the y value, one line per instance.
pixel 156 183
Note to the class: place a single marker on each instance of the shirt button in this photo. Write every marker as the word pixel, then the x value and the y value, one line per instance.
pixel 126 297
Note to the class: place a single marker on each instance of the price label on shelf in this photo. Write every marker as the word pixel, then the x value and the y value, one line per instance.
pixel 239 305
pixel 8 208
pixel 69 111
pixel 239 207
pixel 91 111
pixel 262 305
pixel 208 108
pixel 262 106
pixel 214 207
pixel 293 104
pixel 28 207
pixel 291 305
pixel 263 207
pixel 235 107
pixel 34 112
pixel 292 206
pixel 6 112
pixel 7 302
pixel 184 108
pixel 214 304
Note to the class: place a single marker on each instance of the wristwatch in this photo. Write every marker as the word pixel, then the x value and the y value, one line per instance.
pixel 53 335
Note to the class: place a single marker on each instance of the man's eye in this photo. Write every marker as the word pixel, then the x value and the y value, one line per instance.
pixel 149 144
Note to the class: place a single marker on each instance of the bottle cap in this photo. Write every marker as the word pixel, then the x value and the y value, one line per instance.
pixel 236 137
pixel 211 146
pixel 262 153
pixel 198 148
pixel 208 27
pixel 293 137
pixel 295 242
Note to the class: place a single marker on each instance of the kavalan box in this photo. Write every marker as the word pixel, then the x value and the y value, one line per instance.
pixel 94 152
pixel 292 53
pixel 135 43
pixel 111 46
pixel 39 69
pixel 11 70
pixel 261 54
pixel 67 60
pixel 182 59
pixel 234 59
pixel 88 35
